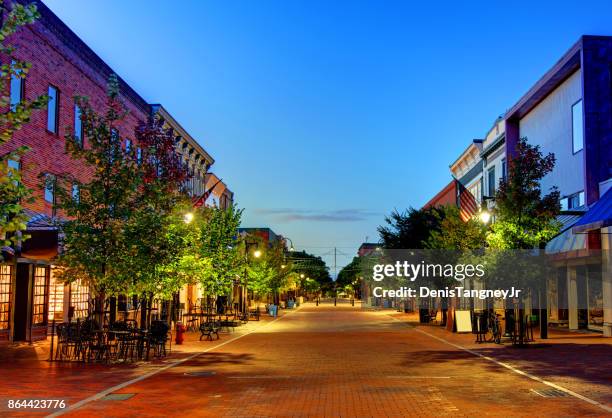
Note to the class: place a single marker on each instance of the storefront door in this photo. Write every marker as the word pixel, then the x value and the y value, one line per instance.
pixel 22 301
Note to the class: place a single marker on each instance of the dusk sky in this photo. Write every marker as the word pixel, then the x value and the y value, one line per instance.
pixel 324 116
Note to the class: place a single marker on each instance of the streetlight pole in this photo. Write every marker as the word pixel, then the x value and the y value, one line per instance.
pixel 292 248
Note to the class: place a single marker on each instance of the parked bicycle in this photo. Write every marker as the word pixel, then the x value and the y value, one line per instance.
pixel 494 329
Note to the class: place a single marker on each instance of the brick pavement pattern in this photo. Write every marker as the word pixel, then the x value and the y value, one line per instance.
pixel 325 361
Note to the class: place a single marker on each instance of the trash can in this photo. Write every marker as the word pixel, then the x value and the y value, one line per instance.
pixel 273 310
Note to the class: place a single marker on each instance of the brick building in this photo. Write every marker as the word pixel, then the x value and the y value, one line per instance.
pixel 445 197
pixel 63 67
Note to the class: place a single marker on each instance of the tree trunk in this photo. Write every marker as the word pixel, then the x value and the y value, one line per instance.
pixel 99 309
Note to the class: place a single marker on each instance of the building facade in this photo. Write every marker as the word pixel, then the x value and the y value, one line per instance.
pixel 64 67
pixel 568 112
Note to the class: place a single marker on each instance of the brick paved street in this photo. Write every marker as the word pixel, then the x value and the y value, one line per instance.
pixel 335 361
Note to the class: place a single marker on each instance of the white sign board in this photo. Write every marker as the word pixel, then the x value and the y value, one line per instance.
pixel 463 321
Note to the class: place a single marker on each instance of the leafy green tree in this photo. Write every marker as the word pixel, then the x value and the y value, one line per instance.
pixel 272 272
pixel 219 244
pixel 311 286
pixel 455 234
pixel 524 218
pixel 350 273
pixel 13 116
pixel 308 265
pixel 156 230
pixel 410 229
pixel 98 211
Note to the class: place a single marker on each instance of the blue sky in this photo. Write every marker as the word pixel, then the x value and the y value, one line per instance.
pixel 324 116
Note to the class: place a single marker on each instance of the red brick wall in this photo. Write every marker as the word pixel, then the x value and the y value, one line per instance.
pixel 52 48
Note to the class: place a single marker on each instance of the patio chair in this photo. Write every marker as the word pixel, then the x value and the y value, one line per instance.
pixel 158 336
pixel 67 342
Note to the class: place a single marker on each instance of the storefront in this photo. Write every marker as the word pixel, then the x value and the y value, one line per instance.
pixel 6 292
pixel 596 225
pixel 580 288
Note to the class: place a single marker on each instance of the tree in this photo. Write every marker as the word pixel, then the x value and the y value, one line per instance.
pixel 13 116
pixel 455 234
pixel 524 218
pixel 98 210
pixel 271 272
pixel 350 273
pixel 219 243
pixel 311 286
pixel 156 230
pixel 307 265
pixel 410 229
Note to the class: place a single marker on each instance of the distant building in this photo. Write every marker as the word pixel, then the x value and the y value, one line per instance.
pixel 445 197
pixel 367 248
pixel 266 234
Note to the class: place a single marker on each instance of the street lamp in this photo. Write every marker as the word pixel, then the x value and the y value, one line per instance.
pixel 302 276
pixel 188 217
pixel 292 248
pixel 257 253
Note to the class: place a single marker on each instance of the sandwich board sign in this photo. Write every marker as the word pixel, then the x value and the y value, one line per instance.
pixel 463 321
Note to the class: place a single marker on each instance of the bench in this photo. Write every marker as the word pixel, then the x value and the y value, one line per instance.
pixel 254 314
pixel 208 329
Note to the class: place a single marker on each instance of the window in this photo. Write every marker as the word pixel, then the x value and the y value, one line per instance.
pixel 128 145
pixel 50 188
pixel 79 298
pixel 504 169
pixel 491 182
pixel 575 201
pixel 52 109
pixel 5 295
pixel 39 305
pixel 78 125
pixel 56 298
pixel 476 191
pixel 138 155
pixel 76 194
pixel 17 88
pixel 577 127
pixel 115 144
pixel 14 167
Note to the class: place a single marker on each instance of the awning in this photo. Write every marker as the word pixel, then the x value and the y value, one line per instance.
pixel 598 216
pixel 39 221
pixel 567 240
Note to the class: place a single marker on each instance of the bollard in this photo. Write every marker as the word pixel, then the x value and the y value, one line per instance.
pixel 52 335
pixel 335 301
pixel 352 302
pixel 317 301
